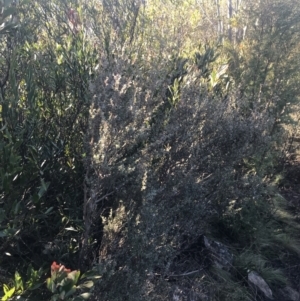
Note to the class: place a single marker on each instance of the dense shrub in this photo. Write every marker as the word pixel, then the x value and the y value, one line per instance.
pixel 170 167
pixel 44 111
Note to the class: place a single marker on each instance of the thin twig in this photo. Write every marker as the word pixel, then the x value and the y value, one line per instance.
pixel 186 274
pixel 105 196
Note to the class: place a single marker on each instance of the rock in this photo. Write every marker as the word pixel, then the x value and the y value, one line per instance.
pixel 260 284
pixel 220 254
pixel 289 294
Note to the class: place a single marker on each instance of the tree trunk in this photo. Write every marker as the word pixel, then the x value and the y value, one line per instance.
pixel 229 20
pixel 220 24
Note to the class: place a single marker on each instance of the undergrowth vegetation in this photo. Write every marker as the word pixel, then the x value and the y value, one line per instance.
pixel 133 131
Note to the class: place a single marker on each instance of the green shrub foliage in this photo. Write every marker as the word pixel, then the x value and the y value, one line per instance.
pixel 44 111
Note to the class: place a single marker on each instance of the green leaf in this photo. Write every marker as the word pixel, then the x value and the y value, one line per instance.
pixel 48 210
pixel 60 60
pixel 62 295
pixel 43 188
pixel 87 284
pixel 92 275
pixel 2 217
pixel 55 297
pixel 71 291
pixel 3 128
pixel 74 276
pixel 17 208
pixel 35 198
pixel 36 286
pixel 5 288
pixel 66 284
pixel 85 296
pixel 51 285
pixel 71 229
pixel 82 297
pixel 8 12
pixel 11 292
pixel 3 234
pixel 8 292
pixel 7 28
pixel 18 282
pixel 45 185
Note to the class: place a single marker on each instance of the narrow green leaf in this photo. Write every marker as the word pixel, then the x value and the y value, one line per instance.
pixel 71 229
pixel 5 288
pixel 85 296
pixel 45 185
pixel 70 292
pixel 48 210
pixel 9 293
pixel 3 234
pixel 87 284
pixel 74 275
pixel 18 281
pixel 35 286
pixel 8 12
